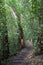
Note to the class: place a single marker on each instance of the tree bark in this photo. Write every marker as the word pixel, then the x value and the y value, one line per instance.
pixel 21 36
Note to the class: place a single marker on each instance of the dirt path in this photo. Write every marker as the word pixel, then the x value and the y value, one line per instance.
pixel 24 57
pixel 21 58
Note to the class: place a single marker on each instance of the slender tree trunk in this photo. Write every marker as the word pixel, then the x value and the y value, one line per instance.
pixel 21 36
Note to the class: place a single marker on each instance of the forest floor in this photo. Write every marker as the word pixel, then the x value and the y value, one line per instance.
pixel 25 57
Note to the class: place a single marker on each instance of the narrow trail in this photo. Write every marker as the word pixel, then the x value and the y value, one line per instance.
pixel 21 58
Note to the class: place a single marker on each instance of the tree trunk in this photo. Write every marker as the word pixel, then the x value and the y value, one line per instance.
pixel 21 39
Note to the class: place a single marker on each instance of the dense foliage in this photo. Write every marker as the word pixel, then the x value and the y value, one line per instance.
pixel 29 13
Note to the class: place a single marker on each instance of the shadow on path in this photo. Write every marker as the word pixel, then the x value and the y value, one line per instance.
pixel 20 59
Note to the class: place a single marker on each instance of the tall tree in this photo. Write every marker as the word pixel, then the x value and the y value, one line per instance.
pixel 20 30
pixel 17 15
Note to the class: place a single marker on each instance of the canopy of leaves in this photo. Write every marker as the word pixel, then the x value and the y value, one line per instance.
pixel 28 10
